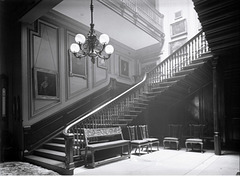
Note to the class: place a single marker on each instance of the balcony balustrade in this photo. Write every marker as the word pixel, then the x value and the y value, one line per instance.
pixel 141 13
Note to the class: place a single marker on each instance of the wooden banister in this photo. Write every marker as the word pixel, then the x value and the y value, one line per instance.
pixel 108 114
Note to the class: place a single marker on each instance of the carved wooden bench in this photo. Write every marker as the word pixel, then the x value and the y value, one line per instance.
pixel 103 138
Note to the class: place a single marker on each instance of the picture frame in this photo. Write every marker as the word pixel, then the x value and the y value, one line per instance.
pixel 101 64
pixel 77 67
pixel 178 14
pixel 124 68
pixel 178 28
pixel 46 84
pixel 173 46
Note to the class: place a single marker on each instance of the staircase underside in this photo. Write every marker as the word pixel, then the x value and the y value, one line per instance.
pixel 185 82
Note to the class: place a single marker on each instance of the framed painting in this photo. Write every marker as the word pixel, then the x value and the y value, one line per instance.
pixel 101 63
pixel 178 15
pixel 173 46
pixel 46 84
pixel 78 67
pixel 124 68
pixel 178 28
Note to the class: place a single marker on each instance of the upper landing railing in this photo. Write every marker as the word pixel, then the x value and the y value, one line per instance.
pixel 141 13
pixel 182 57
pixel 109 114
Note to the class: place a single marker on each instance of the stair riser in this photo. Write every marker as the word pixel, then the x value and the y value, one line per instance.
pixel 56 148
pixel 50 156
pixel 60 170
pixel 58 141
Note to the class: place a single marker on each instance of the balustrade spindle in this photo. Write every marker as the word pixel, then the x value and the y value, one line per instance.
pixel 202 43
pixel 182 58
pixel 165 70
pixel 185 56
pixel 176 57
pixel 197 47
pixel 178 60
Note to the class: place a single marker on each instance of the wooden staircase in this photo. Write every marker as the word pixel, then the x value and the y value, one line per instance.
pixel 182 73
pixel 52 155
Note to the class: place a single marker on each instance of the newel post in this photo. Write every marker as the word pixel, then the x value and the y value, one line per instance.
pixel 69 150
pixel 217 137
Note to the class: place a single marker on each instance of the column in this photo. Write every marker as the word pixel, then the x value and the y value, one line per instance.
pixel 217 137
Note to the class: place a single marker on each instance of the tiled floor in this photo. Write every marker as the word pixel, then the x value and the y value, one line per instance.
pixel 170 162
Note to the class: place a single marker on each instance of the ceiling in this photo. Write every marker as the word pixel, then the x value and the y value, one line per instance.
pixel 106 21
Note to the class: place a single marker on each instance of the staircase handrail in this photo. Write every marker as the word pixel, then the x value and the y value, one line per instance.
pixel 65 131
pixel 183 56
pixel 181 47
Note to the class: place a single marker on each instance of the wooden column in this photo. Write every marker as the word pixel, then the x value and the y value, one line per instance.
pixel 69 151
pixel 217 137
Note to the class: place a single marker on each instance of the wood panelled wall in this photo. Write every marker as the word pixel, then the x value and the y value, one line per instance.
pixel 231 75
pixel 196 109
pixel 53 125
pixel 45 49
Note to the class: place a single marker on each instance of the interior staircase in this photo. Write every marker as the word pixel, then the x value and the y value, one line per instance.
pixel 178 76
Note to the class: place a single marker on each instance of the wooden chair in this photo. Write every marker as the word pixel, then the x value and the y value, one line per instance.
pixel 134 141
pixel 145 135
pixel 196 133
pixel 175 134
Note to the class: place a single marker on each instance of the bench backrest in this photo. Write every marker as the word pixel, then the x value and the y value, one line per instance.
pixel 101 132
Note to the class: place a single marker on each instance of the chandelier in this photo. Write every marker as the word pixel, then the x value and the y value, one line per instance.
pixel 92 46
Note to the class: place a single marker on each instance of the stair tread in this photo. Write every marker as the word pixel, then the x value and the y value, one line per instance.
pixel 46 160
pixel 194 64
pixel 203 57
pixel 52 152
pixel 167 82
pixel 186 70
pixel 55 144
pixel 131 111
pixel 141 99
pixel 177 77
pixel 124 119
pixel 138 103
pixel 115 124
pixel 147 97
pixel 161 88
pixel 153 93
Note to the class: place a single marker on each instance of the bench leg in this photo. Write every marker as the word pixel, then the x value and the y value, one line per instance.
pixel 186 146
pixel 93 159
pixel 150 146
pixel 201 147
pixel 129 150
pixel 136 150
pixel 85 160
